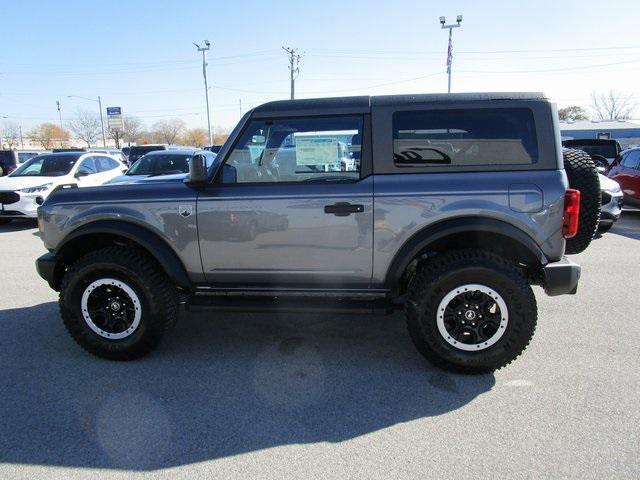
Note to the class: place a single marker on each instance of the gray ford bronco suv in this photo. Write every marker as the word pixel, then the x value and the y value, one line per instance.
pixel 448 206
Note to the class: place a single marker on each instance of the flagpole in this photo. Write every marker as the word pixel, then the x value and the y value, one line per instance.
pixel 449 59
pixel 450 48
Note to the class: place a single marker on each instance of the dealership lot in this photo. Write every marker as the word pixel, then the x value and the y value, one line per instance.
pixel 251 395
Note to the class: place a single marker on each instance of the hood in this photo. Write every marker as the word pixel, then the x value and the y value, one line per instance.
pixel 122 179
pixel 607 184
pixel 176 177
pixel 18 183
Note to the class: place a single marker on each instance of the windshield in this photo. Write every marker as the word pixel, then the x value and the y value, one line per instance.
pixel 160 165
pixel 46 166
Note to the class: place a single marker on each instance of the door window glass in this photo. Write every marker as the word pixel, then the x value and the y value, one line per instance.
pixel 318 149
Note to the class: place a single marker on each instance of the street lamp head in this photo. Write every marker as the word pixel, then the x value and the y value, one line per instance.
pixel 206 42
pixel 442 20
pixel 459 18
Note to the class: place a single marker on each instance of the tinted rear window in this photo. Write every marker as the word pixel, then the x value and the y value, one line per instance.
pixel 136 152
pixel 464 137
pixel 607 150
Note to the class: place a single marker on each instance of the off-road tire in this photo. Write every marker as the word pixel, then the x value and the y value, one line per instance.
pixel 445 273
pixel 583 176
pixel 158 299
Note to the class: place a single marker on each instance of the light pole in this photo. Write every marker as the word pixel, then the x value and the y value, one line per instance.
pixel 99 102
pixel 450 27
pixel 60 118
pixel 206 83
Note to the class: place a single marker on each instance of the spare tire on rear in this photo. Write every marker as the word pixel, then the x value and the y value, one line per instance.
pixel 583 176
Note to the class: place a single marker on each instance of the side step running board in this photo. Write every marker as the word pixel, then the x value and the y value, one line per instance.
pixel 199 303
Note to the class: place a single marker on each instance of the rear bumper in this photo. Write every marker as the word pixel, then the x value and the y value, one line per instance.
pixel 561 277
pixel 46 267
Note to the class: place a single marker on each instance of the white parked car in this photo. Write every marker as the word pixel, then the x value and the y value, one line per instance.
pixel 28 186
pixel 611 203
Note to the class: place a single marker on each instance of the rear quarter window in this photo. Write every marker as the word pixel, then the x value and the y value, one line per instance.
pixel 461 138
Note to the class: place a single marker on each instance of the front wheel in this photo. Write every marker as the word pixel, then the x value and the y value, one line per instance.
pixel 470 311
pixel 116 303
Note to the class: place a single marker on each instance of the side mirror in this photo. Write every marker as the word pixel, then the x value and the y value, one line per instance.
pixel 198 174
pixel 81 174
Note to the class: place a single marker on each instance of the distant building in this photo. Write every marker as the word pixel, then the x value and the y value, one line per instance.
pixel 627 133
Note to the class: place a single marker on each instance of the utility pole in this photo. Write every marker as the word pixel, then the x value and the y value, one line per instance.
pixel 240 102
pixel 60 117
pixel 450 48
pixel 206 83
pixel 294 67
pixel 21 140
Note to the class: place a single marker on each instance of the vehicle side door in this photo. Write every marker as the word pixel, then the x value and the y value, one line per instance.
pixel 86 173
pixel 626 173
pixel 108 168
pixel 282 212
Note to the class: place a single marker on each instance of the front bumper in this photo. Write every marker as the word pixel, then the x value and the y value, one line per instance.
pixel 561 277
pixel 46 267
pixel 20 205
pixel 611 206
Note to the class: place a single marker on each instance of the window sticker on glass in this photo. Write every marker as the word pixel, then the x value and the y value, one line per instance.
pixel 316 150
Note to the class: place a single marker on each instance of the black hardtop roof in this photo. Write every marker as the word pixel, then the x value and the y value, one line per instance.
pixel 362 103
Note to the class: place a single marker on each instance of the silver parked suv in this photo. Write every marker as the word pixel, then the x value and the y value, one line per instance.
pixel 449 206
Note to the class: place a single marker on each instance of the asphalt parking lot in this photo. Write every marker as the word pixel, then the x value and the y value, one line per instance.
pixel 282 396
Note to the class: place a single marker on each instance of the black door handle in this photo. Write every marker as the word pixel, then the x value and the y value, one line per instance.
pixel 343 209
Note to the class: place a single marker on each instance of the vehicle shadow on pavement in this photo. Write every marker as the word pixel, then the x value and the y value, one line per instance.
pixel 628 225
pixel 220 385
pixel 19 225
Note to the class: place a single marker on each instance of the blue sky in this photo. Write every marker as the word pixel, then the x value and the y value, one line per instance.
pixel 139 55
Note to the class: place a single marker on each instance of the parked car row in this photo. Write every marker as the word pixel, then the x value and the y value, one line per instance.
pixel 26 188
pixel 619 175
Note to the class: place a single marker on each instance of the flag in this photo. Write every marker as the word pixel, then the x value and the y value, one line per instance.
pixel 449 55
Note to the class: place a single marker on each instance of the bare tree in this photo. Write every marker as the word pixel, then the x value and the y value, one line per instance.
pixel 167 131
pixel 196 137
pixel 612 106
pixel 10 134
pixel 573 112
pixel 86 126
pixel 133 129
pixel 220 136
pixel 46 134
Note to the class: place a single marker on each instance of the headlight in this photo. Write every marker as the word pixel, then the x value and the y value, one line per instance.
pixel 39 188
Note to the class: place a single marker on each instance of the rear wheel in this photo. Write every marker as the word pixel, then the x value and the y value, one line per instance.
pixel 116 303
pixel 470 311
pixel 583 176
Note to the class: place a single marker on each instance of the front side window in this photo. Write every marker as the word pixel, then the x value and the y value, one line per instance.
pixel 315 149
pixel 464 137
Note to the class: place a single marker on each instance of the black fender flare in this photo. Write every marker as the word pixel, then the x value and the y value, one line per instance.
pixel 147 239
pixel 423 238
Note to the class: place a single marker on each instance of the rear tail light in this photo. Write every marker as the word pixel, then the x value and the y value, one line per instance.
pixel 571 213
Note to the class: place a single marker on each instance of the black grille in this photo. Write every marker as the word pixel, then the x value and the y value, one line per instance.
pixel 606 198
pixel 8 198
